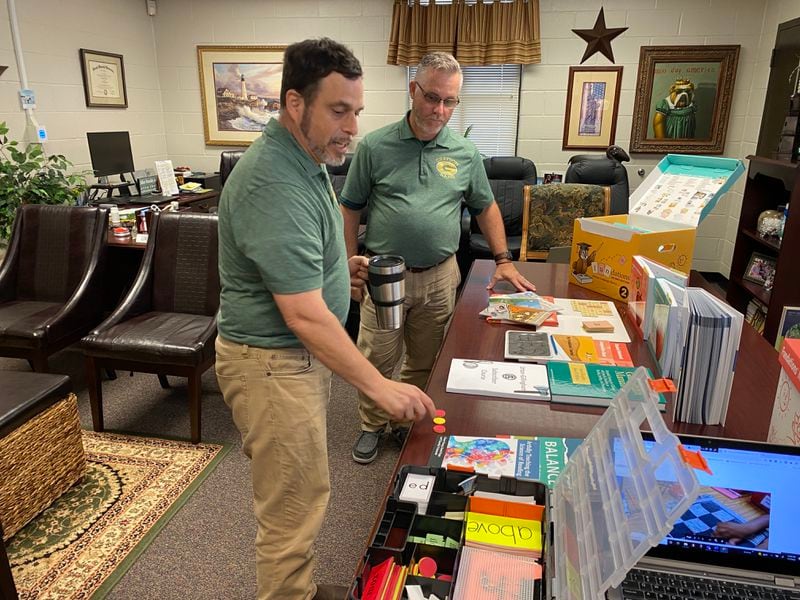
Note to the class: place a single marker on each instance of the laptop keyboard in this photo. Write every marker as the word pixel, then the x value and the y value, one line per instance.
pixel 650 585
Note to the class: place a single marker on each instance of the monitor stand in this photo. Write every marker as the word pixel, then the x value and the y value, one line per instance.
pixel 122 187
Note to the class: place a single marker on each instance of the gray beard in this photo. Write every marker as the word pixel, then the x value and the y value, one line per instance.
pixel 321 151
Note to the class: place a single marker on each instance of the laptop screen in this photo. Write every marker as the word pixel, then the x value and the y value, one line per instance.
pixel 747 515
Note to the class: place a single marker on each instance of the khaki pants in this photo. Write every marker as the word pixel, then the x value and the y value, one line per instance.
pixel 279 398
pixel 429 302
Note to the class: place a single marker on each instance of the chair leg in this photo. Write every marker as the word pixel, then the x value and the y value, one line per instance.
pixel 95 386
pixel 39 364
pixel 162 379
pixel 194 405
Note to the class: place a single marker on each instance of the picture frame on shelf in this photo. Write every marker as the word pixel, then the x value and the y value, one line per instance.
pixel 760 268
pixel 789 326
pixel 553 177
pixel 683 98
pixel 103 79
pixel 240 90
pixel 590 121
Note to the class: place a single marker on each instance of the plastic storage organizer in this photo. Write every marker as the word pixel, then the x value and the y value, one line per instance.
pixel 617 497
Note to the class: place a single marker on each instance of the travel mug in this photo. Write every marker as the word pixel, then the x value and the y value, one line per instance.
pixel 386 284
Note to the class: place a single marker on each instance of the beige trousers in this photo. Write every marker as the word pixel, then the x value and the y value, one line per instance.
pixel 429 302
pixel 279 398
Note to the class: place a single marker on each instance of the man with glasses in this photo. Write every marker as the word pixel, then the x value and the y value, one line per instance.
pixel 413 175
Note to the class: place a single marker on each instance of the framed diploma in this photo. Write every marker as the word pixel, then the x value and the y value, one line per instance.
pixel 103 79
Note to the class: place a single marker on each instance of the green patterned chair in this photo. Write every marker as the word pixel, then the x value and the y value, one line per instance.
pixel 550 210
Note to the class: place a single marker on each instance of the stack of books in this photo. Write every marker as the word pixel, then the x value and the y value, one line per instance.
pixel 522 308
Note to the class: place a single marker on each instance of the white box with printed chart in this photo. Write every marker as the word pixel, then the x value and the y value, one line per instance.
pixel 661 225
pixel 784 428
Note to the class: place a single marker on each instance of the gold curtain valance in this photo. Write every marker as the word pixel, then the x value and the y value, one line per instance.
pixel 476 33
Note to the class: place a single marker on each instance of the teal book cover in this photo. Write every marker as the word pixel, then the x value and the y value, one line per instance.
pixel 589 384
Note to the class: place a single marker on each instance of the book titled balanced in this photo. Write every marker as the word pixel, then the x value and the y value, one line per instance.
pixel 590 384
pixel 498 379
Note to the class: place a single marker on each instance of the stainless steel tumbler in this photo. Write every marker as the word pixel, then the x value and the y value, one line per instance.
pixel 387 289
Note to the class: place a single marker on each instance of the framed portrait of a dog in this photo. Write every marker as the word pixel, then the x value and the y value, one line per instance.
pixel 683 98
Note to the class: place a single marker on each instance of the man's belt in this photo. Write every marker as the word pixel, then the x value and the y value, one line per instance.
pixel 369 253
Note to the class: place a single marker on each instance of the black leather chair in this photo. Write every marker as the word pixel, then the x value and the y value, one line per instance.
pixel 508 175
pixel 51 280
pixel 167 323
pixel 227 160
pixel 603 170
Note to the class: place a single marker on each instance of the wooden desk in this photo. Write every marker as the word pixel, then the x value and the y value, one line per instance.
pixel 470 336
pixel 192 202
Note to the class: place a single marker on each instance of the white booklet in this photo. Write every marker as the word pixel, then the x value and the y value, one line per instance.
pixel 521 381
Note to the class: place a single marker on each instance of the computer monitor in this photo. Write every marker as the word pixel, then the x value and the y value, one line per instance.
pixel 110 152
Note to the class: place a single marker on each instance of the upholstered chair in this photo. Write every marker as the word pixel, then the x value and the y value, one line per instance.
pixel 550 212
pixel 227 160
pixel 167 323
pixel 51 280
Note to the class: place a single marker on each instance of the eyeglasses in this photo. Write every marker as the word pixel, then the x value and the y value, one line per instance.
pixel 434 99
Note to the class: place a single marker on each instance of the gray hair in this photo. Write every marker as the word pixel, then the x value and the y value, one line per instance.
pixel 438 61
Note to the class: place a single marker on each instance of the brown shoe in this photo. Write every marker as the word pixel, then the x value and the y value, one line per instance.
pixel 331 592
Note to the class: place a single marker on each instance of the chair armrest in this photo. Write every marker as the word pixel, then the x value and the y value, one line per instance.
pixel 10 266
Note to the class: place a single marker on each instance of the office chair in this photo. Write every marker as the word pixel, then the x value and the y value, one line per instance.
pixel 227 160
pixel 167 323
pixel 507 176
pixel 603 170
pixel 550 212
pixel 51 285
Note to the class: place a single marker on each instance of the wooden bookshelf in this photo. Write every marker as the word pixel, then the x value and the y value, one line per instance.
pixel 769 184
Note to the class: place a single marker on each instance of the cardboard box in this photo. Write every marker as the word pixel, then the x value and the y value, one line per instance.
pixel 784 428
pixel 665 211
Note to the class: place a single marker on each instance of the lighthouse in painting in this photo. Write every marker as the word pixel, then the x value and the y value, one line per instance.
pixel 244 88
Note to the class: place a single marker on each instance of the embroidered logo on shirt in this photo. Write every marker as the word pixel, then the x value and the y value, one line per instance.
pixel 447 167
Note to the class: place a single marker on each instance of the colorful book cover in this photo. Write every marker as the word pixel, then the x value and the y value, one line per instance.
pixel 584 348
pixel 537 458
pixel 589 384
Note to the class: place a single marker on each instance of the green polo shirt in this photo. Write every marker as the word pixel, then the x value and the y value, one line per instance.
pixel 280 232
pixel 414 189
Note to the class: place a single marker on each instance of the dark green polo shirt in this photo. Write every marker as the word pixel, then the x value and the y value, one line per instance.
pixel 414 189
pixel 280 232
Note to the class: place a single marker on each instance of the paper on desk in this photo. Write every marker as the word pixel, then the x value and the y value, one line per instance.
pixel 575 312
pixel 166 177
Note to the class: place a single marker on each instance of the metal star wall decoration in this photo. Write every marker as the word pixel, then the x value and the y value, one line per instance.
pixel 599 38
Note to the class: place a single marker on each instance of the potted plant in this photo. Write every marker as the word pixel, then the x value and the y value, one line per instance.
pixel 29 176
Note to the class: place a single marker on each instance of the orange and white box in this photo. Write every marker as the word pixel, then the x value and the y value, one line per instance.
pixel 784 428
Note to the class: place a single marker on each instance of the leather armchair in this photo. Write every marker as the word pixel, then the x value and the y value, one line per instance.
pixel 167 323
pixel 51 280
pixel 507 176
pixel 227 160
pixel 603 170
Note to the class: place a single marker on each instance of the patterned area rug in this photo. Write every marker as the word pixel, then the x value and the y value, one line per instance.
pixel 83 544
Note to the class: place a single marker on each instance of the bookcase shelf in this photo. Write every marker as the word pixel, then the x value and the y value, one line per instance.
pixel 769 184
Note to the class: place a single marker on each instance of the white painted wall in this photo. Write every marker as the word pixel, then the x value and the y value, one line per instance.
pixel 164 115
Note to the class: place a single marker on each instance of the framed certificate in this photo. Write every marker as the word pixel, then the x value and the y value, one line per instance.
pixel 103 79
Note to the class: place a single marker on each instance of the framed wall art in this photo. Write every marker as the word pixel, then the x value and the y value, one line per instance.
pixel 683 98
pixel 760 268
pixel 590 122
pixel 103 79
pixel 240 88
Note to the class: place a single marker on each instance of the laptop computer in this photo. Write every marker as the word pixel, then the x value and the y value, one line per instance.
pixel 739 539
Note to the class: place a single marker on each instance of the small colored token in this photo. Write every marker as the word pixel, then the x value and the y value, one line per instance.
pixel 439 420
pixel 439 429
pixel 440 412
pixel 427 566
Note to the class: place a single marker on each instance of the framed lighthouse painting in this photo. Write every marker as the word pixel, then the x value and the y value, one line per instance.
pixel 240 88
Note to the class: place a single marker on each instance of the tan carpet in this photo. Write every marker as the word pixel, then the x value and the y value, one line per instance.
pixel 83 544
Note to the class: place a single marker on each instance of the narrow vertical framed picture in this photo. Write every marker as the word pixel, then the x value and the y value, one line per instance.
pixel 789 327
pixel 103 79
pixel 590 122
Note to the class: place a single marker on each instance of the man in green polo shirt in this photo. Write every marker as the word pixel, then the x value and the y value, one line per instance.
pixel 286 284
pixel 413 175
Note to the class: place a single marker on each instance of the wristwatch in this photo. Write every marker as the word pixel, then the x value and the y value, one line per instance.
pixel 504 256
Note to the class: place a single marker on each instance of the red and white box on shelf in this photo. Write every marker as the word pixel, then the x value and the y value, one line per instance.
pixel 784 428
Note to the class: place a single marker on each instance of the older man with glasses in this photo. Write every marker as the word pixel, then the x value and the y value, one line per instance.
pixel 413 175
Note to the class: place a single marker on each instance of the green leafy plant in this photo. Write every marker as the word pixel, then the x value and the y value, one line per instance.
pixel 29 176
